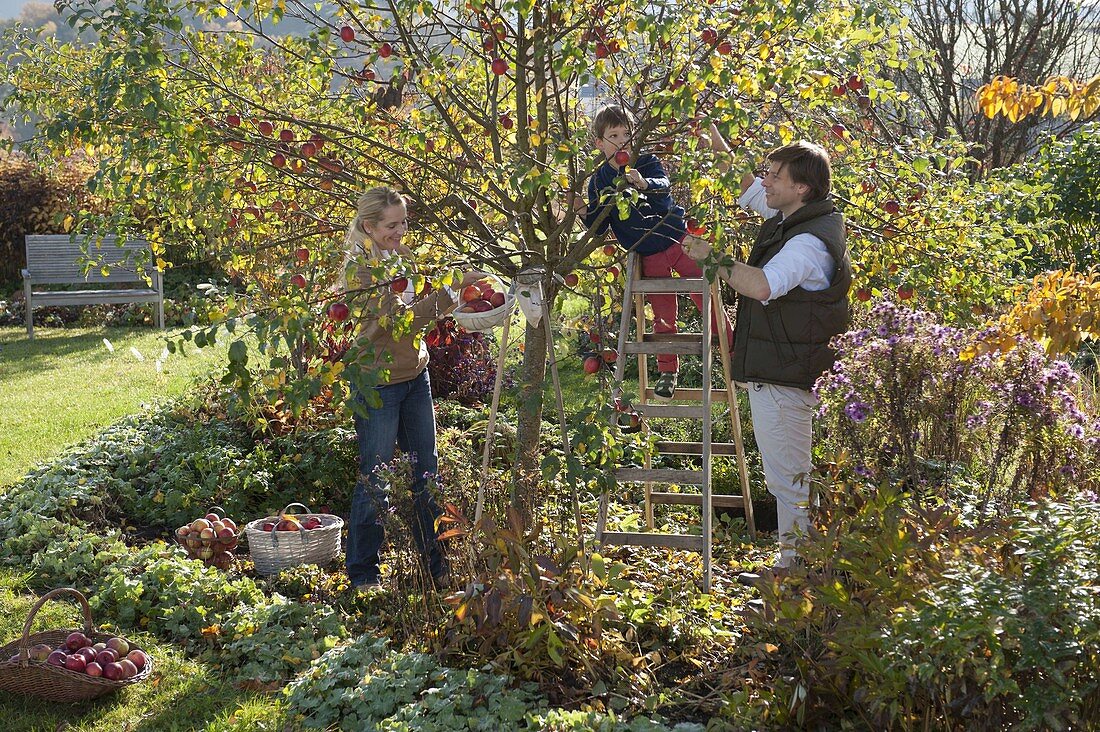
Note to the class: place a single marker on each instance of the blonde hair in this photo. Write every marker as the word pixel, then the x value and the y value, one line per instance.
pixel 368 209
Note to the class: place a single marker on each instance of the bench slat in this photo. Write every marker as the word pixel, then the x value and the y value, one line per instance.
pixel 53 259
pixel 93 297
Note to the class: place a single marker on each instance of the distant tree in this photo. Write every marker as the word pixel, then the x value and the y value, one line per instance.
pixel 969 42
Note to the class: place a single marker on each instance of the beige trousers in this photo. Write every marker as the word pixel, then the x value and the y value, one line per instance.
pixel 782 420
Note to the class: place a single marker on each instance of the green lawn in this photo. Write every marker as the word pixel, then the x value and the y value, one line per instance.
pixel 63 386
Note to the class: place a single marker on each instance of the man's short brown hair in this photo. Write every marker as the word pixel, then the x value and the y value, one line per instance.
pixel 806 163
pixel 611 115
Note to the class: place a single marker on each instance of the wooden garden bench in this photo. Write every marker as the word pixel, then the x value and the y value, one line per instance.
pixel 53 260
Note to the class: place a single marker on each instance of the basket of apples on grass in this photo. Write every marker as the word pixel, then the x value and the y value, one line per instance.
pixel 70 665
pixel 211 538
pixel 485 305
pixel 290 539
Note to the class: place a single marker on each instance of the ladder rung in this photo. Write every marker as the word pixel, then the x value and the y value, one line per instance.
pixel 673 338
pixel 672 541
pixel 695 448
pixel 695 499
pixel 684 349
pixel 694 395
pixel 672 411
pixel 659 475
pixel 694 285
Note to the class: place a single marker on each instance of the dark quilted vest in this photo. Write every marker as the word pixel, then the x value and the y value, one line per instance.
pixel 787 342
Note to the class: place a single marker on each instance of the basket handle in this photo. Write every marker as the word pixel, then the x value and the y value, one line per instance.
pixel 24 653
pixel 287 508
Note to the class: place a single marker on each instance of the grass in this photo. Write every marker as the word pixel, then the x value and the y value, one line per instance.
pixel 66 384
pixel 182 694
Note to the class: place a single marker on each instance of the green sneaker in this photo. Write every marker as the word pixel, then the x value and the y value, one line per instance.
pixel 665 387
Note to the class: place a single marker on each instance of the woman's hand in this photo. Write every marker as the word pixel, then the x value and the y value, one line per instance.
pixel 696 248
pixel 469 278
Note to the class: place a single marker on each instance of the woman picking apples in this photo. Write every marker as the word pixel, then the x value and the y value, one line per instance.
pixel 398 409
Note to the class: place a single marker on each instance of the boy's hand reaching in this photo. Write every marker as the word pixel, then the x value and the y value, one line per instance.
pixel 696 248
pixel 634 178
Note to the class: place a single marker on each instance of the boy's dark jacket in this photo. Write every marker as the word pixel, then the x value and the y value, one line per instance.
pixel 655 222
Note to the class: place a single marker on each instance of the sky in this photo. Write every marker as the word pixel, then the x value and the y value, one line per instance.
pixel 10 8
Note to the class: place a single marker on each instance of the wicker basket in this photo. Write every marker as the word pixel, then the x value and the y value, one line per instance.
pixel 274 551
pixel 490 319
pixel 38 678
pixel 193 546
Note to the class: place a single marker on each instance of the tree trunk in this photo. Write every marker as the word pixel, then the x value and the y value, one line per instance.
pixel 527 473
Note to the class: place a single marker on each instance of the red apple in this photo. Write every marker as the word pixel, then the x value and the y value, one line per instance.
pixel 233 120
pixel 286 135
pixel 230 523
pixel 99 647
pixel 138 658
pixel 338 312
pixel 725 48
pixel 278 160
pixel 591 365
pixel 500 66
pixel 601 50
pixel 207 534
pixel 182 532
pixel 57 658
pixel 572 280
pixel 863 101
pixel 93 669
pixel 613 271
pixel 75 662
pixel 610 355
pixel 593 337
pixel 609 250
pixel 113 671
pixel 298 281
pixel 839 131
pixel 347 35
pixel 506 122
pixel 905 292
pixel 855 83
pixel 385 50
pixel 88 653
pixel 695 227
pixel 471 293
pixel 266 128
pixel 399 285
pixel 288 525
pixel 497 299
pixel 622 158
pixel 710 36
pixel 106 656
pixel 222 560
pixel 863 294
pixel 212 517
pixel 76 640
pixel 268 525
pixel 479 306
pixel 307 150
pixel 891 207
pixel 199 524
pixel 840 90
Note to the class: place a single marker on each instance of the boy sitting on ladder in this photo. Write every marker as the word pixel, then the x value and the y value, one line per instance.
pixel 654 227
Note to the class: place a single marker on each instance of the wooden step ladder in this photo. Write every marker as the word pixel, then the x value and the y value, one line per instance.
pixel 687 344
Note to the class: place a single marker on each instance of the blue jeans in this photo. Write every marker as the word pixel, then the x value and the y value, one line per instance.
pixel 406 418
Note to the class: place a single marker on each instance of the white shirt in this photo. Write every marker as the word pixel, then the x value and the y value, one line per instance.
pixel 803 261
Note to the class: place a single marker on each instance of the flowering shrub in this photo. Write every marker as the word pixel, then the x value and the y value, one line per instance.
pixel 903 402
pixel 461 365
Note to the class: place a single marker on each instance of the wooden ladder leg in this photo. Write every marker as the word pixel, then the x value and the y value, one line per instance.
pixel 624 323
pixel 707 508
pixel 735 411
pixel 641 327
pixel 492 421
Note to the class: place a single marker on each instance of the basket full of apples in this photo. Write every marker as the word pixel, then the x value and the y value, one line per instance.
pixel 485 305
pixel 211 538
pixel 290 539
pixel 70 665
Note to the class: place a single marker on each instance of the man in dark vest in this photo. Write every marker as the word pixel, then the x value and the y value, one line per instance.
pixel 793 298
